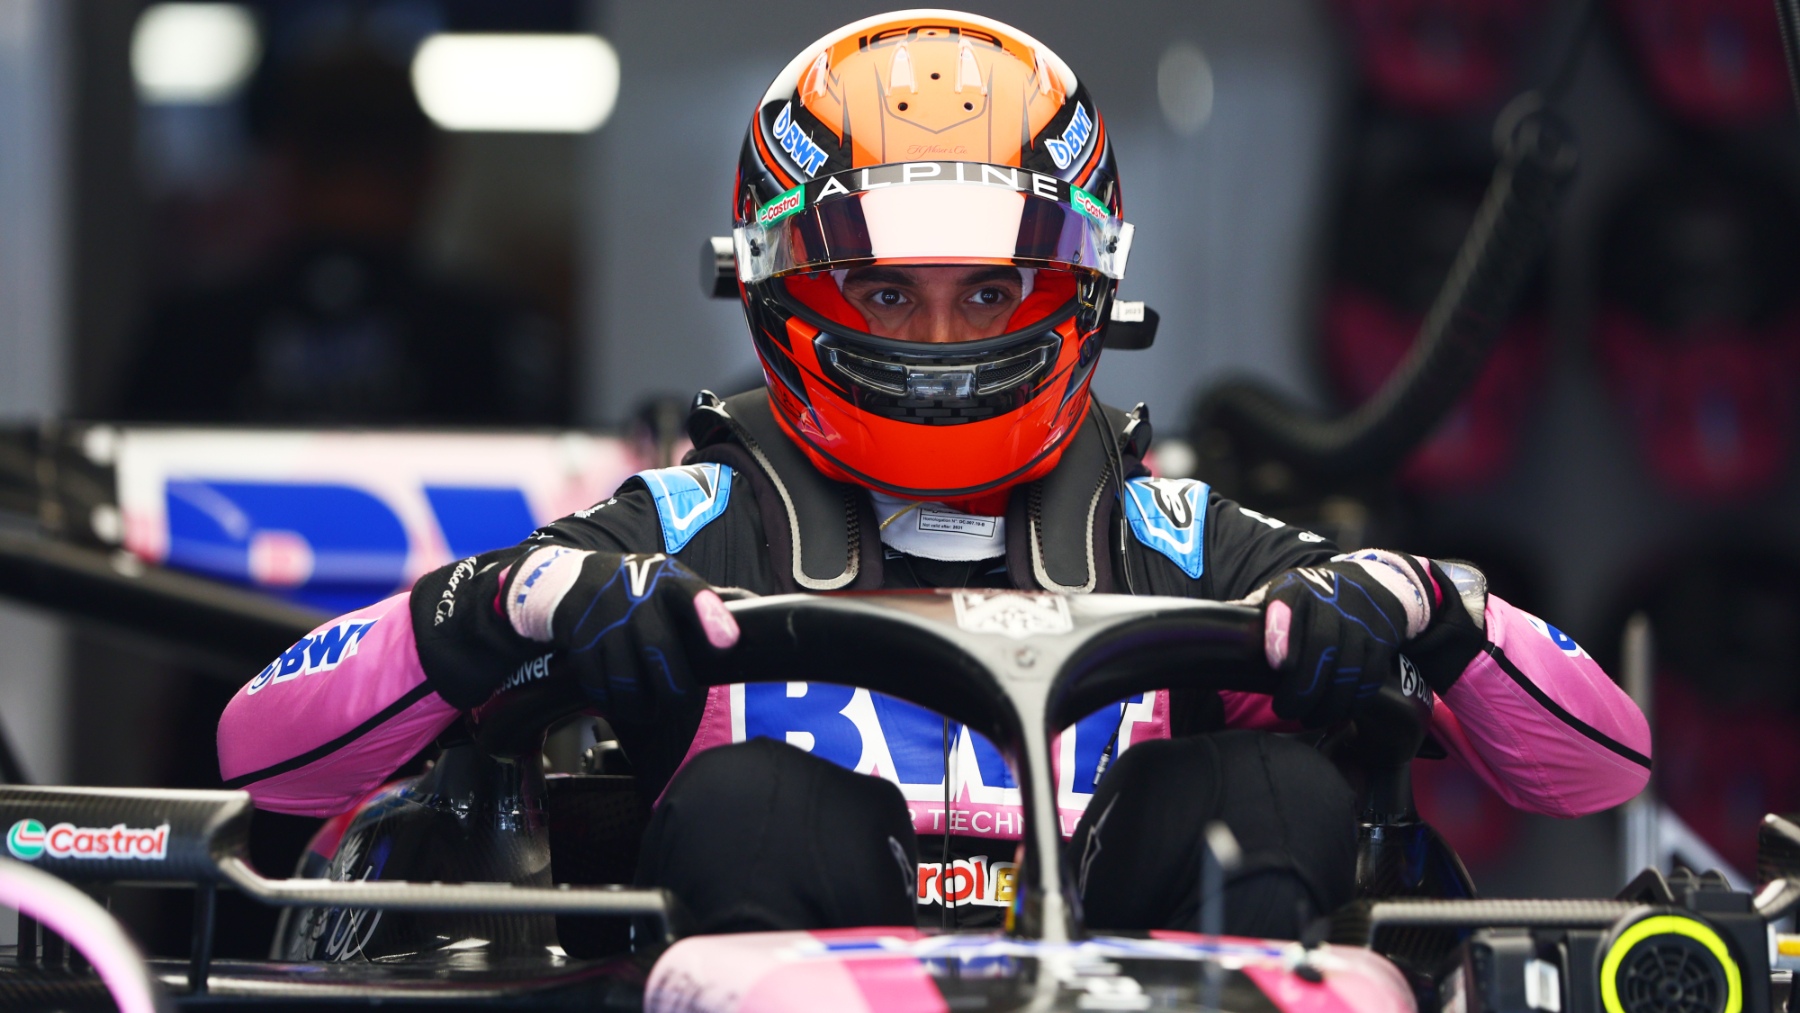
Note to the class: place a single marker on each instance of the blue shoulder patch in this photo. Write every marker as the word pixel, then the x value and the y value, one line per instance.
pixel 1169 515
pixel 688 498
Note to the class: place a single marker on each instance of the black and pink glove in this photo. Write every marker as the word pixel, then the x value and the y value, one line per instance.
pixel 1334 632
pixel 623 623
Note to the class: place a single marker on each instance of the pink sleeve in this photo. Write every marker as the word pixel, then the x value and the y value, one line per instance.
pixel 1538 720
pixel 1253 710
pixel 1532 715
pixel 333 716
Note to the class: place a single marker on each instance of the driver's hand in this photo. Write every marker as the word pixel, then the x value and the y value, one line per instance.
pixel 1333 632
pixel 624 623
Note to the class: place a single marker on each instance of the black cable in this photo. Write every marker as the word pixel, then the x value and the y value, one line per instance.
pixel 1788 13
pixel 1106 754
pixel 1510 233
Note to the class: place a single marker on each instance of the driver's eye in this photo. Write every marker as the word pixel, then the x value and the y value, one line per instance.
pixel 990 296
pixel 888 297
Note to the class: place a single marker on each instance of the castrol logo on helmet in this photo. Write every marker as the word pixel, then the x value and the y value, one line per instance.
pixel 782 206
pixel 28 841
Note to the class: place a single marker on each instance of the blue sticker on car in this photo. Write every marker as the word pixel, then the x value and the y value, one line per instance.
pixel 1169 515
pixel 688 498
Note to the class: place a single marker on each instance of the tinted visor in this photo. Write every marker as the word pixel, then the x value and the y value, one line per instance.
pixel 932 213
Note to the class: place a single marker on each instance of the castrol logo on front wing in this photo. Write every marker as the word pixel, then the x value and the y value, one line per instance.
pixel 28 840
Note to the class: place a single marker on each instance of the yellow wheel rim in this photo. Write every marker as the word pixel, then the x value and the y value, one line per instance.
pixel 1675 925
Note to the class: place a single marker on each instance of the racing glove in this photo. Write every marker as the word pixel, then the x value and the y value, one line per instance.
pixel 1334 632
pixel 623 623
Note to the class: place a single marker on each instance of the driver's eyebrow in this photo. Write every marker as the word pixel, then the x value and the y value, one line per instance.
pixel 987 274
pixel 878 276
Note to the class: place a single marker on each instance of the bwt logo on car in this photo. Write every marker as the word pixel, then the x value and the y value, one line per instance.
pixel 28 840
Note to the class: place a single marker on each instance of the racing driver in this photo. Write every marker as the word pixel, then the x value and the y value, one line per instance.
pixel 929 238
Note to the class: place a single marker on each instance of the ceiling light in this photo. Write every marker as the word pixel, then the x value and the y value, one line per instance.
pixel 517 82
pixel 1184 87
pixel 193 52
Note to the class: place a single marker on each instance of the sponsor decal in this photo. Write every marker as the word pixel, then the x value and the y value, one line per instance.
pixel 446 606
pixel 1009 177
pixel 936 150
pixel 1074 137
pixel 904 743
pixel 793 140
pixel 1087 203
pixel 1563 641
pixel 781 207
pixel 1413 684
pixel 585 513
pixel 968 881
pixel 28 840
pixel 533 670
pixel 688 498
pixel 1169 515
pixel 319 652
pixel 1016 614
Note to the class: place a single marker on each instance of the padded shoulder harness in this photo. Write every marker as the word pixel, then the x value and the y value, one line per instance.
pixel 1057 527
pixel 820 545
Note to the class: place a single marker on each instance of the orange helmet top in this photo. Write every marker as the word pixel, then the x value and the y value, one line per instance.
pixel 925 139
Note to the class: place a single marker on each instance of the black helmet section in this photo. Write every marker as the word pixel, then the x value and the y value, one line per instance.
pixel 1698 326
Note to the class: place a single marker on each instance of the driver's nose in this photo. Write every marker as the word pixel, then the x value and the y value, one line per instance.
pixel 937 323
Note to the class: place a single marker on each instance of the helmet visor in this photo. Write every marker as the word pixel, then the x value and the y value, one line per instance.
pixel 932 213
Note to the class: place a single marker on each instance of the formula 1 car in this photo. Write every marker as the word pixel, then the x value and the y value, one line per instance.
pixel 464 886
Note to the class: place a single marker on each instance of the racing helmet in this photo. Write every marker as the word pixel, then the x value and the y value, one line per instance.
pixel 928 141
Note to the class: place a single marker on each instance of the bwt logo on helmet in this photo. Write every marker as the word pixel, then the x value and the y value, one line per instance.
pixel 809 156
pixel 1074 137
pixel 28 841
pixel 318 652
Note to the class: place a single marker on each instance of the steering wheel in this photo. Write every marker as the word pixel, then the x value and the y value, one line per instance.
pixel 1017 667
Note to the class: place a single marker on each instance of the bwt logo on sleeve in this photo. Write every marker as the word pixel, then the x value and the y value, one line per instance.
pixel 28 841
pixel 318 652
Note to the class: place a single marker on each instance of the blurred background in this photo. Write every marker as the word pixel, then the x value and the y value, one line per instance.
pixel 446 213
